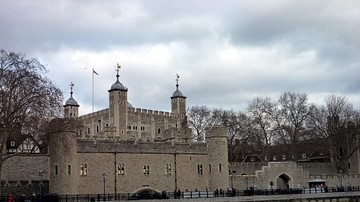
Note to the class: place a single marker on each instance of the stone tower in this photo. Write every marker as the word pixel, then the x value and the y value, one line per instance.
pixel 118 106
pixel 216 137
pixel 63 164
pixel 178 104
pixel 71 107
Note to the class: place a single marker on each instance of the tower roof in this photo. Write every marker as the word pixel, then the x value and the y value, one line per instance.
pixel 177 92
pixel 117 85
pixel 71 101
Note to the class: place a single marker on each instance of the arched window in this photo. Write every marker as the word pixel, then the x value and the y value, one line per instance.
pixel 121 169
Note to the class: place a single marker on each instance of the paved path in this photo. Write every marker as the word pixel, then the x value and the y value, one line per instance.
pixel 288 197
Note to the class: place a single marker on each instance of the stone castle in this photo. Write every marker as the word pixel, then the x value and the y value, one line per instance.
pixel 123 149
pixel 130 150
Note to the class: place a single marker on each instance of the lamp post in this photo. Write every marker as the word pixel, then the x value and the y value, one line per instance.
pixel 41 172
pixel 104 179
pixel 232 178
pixel 340 176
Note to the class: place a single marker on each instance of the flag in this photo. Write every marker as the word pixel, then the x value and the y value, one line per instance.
pixel 94 72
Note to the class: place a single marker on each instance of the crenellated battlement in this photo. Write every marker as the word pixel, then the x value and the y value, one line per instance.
pixel 107 145
pixel 137 111
pixel 94 114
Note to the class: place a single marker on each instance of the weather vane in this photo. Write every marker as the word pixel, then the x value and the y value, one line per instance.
pixel 118 68
pixel 177 78
pixel 71 86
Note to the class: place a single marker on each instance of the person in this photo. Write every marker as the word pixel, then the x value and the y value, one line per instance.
pixel 10 198
pixel 178 194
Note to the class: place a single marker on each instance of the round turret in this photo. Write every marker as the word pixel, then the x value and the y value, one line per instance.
pixel 177 93
pixel 178 100
pixel 216 137
pixel 118 85
pixel 71 107
pixel 118 106
pixel 71 102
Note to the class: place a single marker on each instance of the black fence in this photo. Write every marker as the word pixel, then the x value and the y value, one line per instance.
pixel 173 195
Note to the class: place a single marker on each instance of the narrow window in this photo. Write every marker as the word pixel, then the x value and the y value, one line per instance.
pixel 159 131
pixel 81 170
pixel 56 169
pixel 146 170
pixel 121 169
pixel 88 130
pixel 349 165
pixel 168 169
pixel 219 167
pixel 209 168
pixel 69 170
pixel 85 169
pixel 200 171
pixel 97 129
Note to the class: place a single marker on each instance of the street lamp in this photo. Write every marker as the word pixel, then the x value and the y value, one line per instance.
pixel 232 178
pixel 41 172
pixel 340 176
pixel 104 178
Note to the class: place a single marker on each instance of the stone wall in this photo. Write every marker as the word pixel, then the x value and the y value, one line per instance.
pixel 134 177
pixel 25 168
pixel 273 172
pixel 22 174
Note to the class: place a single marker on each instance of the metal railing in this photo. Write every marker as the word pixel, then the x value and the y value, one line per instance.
pixel 167 195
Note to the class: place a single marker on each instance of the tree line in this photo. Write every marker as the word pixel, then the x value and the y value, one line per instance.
pixel 289 120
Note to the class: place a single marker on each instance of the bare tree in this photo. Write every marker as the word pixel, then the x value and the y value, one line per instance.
pixel 260 111
pixel 290 117
pixel 27 98
pixel 237 124
pixel 199 118
pixel 337 122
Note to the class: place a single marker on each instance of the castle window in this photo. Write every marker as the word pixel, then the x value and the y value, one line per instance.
pixel 146 170
pixel 69 170
pixel 168 169
pixel 134 127
pixel 209 168
pixel 12 143
pixel 159 131
pixel 349 165
pixel 97 129
pixel 199 167
pixel 142 128
pixel 121 169
pixel 56 169
pixel 129 127
pixel 220 167
pixel 88 130
pixel 83 170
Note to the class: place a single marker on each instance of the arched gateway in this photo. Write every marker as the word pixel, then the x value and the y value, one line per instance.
pixel 283 181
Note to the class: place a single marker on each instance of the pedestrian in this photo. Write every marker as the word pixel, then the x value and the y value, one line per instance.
pixel 10 198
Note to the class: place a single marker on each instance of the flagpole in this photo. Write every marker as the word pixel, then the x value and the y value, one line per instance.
pixel 92 90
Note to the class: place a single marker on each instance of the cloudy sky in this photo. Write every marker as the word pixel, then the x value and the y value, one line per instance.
pixel 226 52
